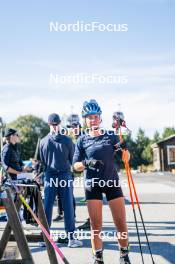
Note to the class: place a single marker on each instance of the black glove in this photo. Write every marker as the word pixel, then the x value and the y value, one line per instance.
pixel 93 163
pixel 120 146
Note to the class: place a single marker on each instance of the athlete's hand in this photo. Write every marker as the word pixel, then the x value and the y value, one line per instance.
pixel 121 146
pixel 93 163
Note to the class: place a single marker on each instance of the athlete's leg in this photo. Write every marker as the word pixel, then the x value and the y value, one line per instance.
pixel 117 207
pixel 95 214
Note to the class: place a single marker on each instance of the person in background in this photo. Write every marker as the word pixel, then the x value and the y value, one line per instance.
pixel 56 153
pixel 10 156
pixel 75 131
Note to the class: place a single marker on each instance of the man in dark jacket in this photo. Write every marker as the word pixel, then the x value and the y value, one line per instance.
pixel 56 153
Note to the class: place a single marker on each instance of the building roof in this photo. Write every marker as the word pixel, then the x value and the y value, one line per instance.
pixel 165 139
pixel 154 145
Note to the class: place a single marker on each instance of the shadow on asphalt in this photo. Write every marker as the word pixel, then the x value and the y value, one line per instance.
pixel 164 249
pixel 127 202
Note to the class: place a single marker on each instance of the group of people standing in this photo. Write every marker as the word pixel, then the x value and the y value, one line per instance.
pixel 92 153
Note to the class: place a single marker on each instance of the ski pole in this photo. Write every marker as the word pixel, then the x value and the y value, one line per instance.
pixel 128 171
pixel 129 175
pixel 133 208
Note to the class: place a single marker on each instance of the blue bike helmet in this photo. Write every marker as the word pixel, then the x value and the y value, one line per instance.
pixel 91 108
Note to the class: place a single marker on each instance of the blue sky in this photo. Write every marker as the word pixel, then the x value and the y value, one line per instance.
pixel 29 53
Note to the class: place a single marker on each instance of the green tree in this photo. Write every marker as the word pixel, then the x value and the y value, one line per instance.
pixel 147 154
pixel 142 150
pixel 30 129
pixel 156 137
pixel 168 131
pixel 134 160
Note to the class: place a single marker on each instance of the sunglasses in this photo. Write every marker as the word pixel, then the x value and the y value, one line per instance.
pixel 55 124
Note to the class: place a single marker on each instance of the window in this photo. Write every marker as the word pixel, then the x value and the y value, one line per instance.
pixel 171 154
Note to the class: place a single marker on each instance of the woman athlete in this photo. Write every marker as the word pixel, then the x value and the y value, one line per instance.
pixel 94 154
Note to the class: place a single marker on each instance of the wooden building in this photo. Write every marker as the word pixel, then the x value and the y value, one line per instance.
pixel 164 154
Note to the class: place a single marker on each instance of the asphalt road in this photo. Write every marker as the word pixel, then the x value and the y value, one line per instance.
pixel 156 192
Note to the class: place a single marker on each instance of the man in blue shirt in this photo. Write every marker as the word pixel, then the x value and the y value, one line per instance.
pixel 73 128
pixel 56 152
